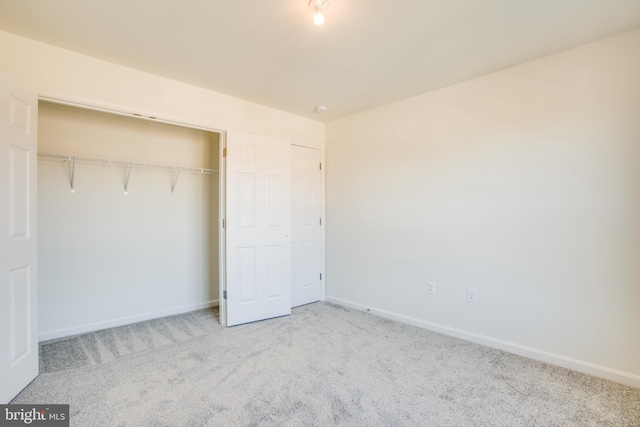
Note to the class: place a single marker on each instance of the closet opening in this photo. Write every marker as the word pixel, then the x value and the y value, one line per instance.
pixel 128 219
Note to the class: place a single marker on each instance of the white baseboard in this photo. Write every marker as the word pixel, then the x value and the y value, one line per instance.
pixel 90 327
pixel 532 353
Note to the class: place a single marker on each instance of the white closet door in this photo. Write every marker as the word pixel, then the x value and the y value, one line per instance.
pixel 257 228
pixel 18 270
pixel 306 228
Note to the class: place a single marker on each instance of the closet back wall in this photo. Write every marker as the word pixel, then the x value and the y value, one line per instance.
pixel 106 258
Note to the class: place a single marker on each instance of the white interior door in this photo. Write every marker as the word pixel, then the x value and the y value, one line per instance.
pixel 18 251
pixel 306 226
pixel 257 228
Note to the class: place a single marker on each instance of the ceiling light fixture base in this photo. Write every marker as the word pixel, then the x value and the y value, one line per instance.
pixel 318 6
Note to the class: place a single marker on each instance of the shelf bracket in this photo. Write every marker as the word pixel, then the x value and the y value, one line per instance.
pixel 126 181
pixel 73 174
pixel 175 180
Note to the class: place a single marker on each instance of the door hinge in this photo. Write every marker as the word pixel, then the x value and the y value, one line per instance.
pixel 224 223
pixel 320 276
pixel 224 152
pixel 320 221
pixel 224 294
pixel 320 166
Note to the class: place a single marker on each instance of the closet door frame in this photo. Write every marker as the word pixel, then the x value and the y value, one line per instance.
pixel 153 117
pixel 208 127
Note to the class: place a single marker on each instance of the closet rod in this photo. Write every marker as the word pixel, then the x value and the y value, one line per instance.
pixel 70 158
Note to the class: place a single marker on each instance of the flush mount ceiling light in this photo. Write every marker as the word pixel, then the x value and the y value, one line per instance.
pixel 318 6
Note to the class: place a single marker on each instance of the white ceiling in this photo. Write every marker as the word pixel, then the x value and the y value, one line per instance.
pixel 368 53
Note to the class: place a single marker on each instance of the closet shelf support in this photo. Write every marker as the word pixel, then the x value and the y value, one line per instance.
pixel 73 174
pixel 175 180
pixel 126 181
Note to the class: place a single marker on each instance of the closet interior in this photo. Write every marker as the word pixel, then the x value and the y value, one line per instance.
pixel 127 219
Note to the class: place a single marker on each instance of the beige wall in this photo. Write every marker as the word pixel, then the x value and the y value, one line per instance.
pixel 106 258
pixel 61 74
pixel 523 184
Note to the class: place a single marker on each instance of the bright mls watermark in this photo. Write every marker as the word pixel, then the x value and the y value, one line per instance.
pixel 34 415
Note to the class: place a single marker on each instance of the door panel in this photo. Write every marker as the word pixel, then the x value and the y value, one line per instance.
pixel 19 314
pixel 258 228
pixel 247 200
pixel 275 276
pixel 19 169
pixel 18 270
pixel 274 200
pixel 306 230
pixel 247 274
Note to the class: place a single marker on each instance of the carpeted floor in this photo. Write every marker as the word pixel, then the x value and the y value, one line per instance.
pixel 323 365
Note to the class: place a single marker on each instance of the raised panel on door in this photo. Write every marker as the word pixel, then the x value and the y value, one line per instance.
pixel 306 229
pixel 19 314
pixel 246 200
pixel 257 250
pixel 275 274
pixel 247 280
pixel 274 201
pixel 18 269
pixel 19 168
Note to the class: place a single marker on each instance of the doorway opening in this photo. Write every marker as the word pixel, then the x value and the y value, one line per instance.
pixel 132 232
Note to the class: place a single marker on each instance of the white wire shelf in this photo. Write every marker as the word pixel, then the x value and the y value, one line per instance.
pixel 129 165
pixel 69 157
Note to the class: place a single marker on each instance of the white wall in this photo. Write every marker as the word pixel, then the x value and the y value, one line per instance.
pixel 64 74
pixel 105 258
pixel 524 184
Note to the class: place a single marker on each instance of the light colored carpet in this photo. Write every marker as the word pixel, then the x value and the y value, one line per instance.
pixel 323 365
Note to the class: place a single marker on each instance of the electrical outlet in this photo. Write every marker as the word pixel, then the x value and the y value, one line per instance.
pixel 431 287
pixel 472 295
